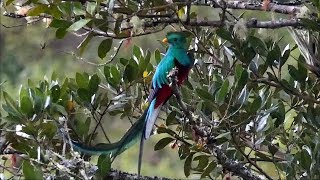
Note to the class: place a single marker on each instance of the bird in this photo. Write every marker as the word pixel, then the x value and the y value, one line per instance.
pixel 176 57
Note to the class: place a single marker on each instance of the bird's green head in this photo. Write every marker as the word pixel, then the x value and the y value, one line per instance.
pixel 177 39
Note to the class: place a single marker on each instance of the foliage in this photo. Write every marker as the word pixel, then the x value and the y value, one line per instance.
pixel 251 97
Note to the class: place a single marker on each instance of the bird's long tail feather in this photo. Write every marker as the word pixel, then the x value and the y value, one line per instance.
pixel 116 148
pixel 150 119
pixel 140 155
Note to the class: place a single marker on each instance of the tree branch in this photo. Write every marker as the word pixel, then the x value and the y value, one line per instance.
pixel 243 5
pixel 115 174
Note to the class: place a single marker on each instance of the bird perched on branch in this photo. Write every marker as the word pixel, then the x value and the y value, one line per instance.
pixel 176 58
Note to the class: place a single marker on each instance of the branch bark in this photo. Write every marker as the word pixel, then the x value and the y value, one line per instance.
pixel 115 174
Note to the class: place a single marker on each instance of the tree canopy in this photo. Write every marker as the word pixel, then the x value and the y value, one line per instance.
pixel 248 109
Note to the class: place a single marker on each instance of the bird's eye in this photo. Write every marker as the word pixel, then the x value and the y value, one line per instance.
pixel 175 39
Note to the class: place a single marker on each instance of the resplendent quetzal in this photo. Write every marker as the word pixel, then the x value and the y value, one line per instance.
pixel 176 57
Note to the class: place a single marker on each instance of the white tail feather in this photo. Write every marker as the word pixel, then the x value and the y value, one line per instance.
pixel 151 118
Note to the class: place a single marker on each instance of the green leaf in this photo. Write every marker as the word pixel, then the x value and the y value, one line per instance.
pixel 162 143
pixel 226 135
pixel 243 96
pixel 84 94
pixel 255 105
pixel 171 119
pixel 299 75
pixel 184 151
pixel 27 106
pixel 222 93
pixel 55 93
pixel 208 169
pixel 91 7
pixel 37 10
pixel 279 114
pixel 78 25
pixel 104 48
pixel 258 45
pixel 67 8
pixel 305 157
pixel 124 61
pixel 58 23
pixel 131 71
pixel 243 79
pixel 203 162
pixel 104 165
pixel 157 56
pixel 111 79
pixel 94 84
pixel 225 34
pixel 238 71
pixel 48 129
pixel 187 164
pixel 60 33
pixel 285 55
pixel 137 52
pixel 115 74
pixel 82 81
pixel 30 171
pixel 310 24
pixel 55 11
pixel 205 95
pixel 143 62
pixel 82 128
pixel 102 24
pixel 8 2
pixel 273 149
pixel 82 46
pixel 38 103
pixel 274 55
pixel 11 105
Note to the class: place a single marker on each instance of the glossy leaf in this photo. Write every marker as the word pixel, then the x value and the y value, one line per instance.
pixel 222 93
pixel 187 164
pixel 171 118
pixel 225 34
pixel 26 106
pixel 104 48
pixel 162 143
pixel 78 25
pixel 94 84
pixel 208 169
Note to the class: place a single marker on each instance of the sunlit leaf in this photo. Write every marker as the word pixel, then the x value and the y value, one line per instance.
pixel 78 25
pixel 30 171
pixel 37 10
